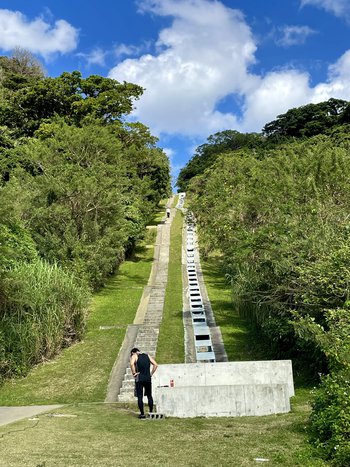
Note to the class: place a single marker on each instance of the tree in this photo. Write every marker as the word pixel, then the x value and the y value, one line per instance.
pixel 206 154
pixel 70 96
pixel 308 120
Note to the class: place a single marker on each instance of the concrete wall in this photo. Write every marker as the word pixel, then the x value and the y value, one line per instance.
pixel 224 388
pixel 226 373
pixel 223 401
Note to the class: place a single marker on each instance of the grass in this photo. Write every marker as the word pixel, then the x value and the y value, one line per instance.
pixel 111 435
pixel 81 372
pixel 171 335
pixel 240 340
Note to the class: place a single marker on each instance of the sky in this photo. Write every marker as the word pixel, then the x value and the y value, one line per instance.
pixel 205 65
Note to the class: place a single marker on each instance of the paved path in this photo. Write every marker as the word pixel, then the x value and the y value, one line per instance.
pixel 13 414
pixel 143 334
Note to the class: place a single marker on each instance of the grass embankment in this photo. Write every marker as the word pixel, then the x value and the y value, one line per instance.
pixel 81 372
pixel 171 335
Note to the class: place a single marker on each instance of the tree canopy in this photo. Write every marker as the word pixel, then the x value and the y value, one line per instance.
pixel 78 185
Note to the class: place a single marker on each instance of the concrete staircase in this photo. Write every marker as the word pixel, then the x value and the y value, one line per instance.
pixel 148 326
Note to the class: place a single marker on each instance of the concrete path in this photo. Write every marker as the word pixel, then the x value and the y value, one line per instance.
pixel 143 334
pixel 13 414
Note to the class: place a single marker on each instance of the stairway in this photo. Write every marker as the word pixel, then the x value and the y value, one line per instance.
pixel 147 335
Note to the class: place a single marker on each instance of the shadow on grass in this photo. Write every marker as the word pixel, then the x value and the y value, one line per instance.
pixel 121 281
pixel 138 254
pixel 214 274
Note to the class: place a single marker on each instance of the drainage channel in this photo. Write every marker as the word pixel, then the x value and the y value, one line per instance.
pixel 202 340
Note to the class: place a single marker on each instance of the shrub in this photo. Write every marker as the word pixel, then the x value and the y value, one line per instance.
pixel 42 309
pixel 330 419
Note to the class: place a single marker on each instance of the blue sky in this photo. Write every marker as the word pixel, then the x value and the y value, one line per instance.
pixel 206 65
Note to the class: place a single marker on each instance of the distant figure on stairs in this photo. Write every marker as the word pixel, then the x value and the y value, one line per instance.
pixel 168 212
pixel 140 364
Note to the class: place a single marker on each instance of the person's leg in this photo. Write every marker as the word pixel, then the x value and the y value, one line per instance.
pixel 148 393
pixel 139 392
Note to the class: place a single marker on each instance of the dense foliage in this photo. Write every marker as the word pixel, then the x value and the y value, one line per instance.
pixel 309 120
pixel 279 216
pixel 78 185
pixel 206 154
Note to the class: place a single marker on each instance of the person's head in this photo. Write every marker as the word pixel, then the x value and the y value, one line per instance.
pixel 134 350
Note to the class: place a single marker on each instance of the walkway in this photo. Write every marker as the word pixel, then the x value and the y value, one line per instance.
pixel 143 334
pixel 13 414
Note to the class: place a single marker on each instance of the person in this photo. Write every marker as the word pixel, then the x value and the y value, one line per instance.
pixel 140 364
pixel 168 212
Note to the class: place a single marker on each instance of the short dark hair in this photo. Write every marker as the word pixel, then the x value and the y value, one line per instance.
pixel 134 350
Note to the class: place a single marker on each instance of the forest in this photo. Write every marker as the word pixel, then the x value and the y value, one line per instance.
pixel 78 184
pixel 274 207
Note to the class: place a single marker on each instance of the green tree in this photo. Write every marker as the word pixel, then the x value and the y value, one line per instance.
pixel 70 96
pixel 307 120
pixel 206 154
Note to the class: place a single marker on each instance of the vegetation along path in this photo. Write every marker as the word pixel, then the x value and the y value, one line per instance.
pixel 85 431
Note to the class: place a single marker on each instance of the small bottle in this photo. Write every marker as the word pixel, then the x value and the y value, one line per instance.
pixel 171 383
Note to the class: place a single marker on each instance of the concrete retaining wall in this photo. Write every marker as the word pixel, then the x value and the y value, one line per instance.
pixel 224 388
pixel 223 401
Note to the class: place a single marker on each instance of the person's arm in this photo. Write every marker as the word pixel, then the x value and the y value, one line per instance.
pixel 132 365
pixel 154 365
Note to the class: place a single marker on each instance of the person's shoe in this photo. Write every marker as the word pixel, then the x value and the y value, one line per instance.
pixel 142 416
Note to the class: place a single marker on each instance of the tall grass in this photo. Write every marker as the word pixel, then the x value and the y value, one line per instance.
pixel 42 309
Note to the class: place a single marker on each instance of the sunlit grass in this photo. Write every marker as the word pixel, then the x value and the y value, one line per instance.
pixel 171 336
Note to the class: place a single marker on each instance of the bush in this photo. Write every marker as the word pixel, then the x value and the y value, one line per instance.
pixel 42 309
pixel 330 419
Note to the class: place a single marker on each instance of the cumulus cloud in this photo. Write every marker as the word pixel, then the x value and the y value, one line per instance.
pixel 203 56
pixel 337 7
pixel 294 35
pixel 276 92
pixel 37 35
pixel 338 84
pixel 206 54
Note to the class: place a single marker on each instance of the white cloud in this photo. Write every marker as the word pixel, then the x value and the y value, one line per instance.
pixel 169 152
pixel 124 49
pixel 96 57
pixel 276 93
pixel 338 85
pixel 37 35
pixel 339 8
pixel 294 35
pixel 203 56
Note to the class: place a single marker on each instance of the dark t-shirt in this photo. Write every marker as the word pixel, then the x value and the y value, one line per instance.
pixel 143 367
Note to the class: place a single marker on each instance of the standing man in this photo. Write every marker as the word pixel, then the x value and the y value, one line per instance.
pixel 168 212
pixel 140 364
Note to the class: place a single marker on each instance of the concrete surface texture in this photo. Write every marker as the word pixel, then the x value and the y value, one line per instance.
pixel 13 414
pixel 190 244
pixel 148 317
pixel 224 388
pixel 223 401
pixel 226 373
